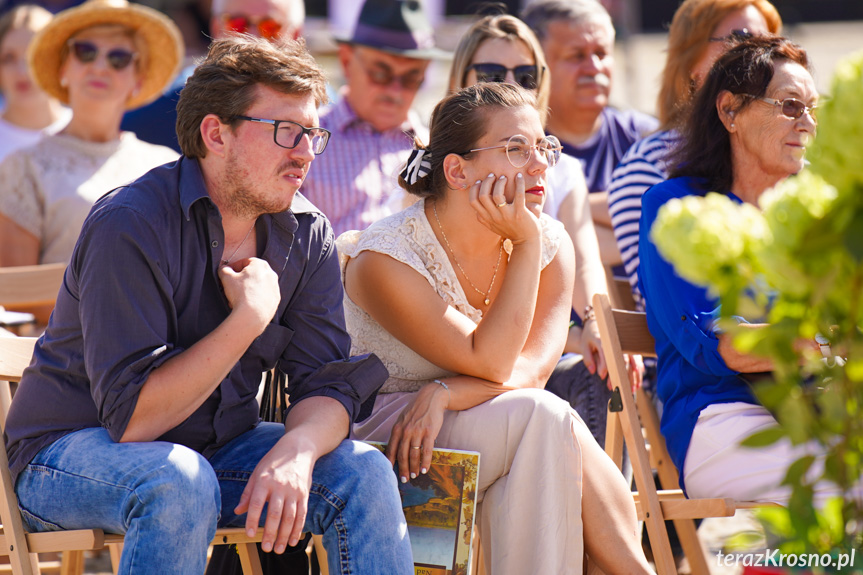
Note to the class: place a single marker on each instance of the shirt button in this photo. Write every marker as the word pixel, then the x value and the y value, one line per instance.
pixel 215 243
pixel 683 318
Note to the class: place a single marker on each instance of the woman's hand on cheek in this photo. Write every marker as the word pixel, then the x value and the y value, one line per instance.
pixel 414 433
pixel 514 221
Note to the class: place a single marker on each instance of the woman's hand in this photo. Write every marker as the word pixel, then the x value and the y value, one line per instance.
pixel 635 369
pixel 513 221
pixel 591 349
pixel 413 435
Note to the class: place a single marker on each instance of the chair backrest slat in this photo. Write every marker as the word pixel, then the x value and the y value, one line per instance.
pixel 15 355
pixel 30 285
pixel 633 333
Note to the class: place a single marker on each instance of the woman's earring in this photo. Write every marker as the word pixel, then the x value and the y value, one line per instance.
pixel 464 186
pixel 64 83
pixel 732 124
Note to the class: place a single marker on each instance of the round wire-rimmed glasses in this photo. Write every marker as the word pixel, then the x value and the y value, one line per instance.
pixel 287 134
pixel 518 150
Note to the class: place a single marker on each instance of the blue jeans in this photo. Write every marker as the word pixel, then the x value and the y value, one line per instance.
pixel 167 498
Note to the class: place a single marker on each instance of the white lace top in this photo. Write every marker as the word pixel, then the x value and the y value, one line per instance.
pixel 49 188
pixel 408 238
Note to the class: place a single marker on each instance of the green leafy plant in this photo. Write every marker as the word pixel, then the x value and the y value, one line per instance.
pixel 797 264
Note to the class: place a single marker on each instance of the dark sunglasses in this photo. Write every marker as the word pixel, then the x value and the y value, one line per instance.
pixel 791 107
pixel 525 76
pixel 240 23
pixel 735 36
pixel 287 134
pixel 87 52
pixel 384 77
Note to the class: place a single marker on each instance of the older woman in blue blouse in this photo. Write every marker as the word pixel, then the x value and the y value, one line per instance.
pixel 746 131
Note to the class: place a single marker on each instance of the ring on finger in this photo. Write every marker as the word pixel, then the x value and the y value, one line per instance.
pixel 502 204
pixel 415 447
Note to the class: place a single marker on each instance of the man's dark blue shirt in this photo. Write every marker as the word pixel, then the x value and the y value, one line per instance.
pixel 143 286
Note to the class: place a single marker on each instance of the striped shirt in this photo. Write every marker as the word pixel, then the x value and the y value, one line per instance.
pixel 641 167
pixel 353 179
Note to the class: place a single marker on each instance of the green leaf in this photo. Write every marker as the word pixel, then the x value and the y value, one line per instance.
pixel 854 369
pixel 854 237
pixel 797 471
pixel 764 437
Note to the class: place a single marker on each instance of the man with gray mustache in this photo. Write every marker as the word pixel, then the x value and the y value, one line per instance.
pixel 577 37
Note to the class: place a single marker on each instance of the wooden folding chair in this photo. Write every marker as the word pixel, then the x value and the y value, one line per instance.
pixel 625 332
pixel 20 546
pixel 30 285
pixel 31 289
pixel 620 293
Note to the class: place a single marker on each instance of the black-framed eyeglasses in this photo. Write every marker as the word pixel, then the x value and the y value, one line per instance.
pixel 526 76
pixel 288 134
pixel 87 52
pixel 735 36
pixel 519 149
pixel 791 107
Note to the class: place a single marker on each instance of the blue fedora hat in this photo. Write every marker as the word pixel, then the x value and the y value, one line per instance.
pixel 396 26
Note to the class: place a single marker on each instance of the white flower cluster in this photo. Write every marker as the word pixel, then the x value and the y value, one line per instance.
pixel 706 239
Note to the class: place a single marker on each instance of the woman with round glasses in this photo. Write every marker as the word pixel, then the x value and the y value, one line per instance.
pixel 465 296
pixel 502 48
pixel 700 32
pixel 747 130
pixel 100 58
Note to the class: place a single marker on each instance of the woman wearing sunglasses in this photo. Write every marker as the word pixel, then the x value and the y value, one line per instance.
pixel 700 32
pixel 100 58
pixel 747 130
pixel 465 296
pixel 502 48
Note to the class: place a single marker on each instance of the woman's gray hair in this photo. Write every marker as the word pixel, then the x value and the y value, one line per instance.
pixel 540 13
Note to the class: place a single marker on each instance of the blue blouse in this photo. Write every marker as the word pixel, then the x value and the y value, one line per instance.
pixel 691 374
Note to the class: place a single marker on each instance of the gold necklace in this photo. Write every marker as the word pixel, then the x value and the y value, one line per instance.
pixel 484 294
pixel 248 233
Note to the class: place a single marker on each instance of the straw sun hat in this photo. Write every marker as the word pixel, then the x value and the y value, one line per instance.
pixel 159 64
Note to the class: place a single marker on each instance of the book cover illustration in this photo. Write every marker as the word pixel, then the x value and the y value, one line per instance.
pixel 439 507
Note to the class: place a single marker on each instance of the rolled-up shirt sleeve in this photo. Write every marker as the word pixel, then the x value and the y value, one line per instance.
pixel 120 261
pixel 317 360
pixel 685 312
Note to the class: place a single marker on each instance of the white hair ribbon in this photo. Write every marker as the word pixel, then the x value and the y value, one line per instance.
pixel 417 167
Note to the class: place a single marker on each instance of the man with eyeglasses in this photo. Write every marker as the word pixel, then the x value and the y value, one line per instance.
pixel 577 37
pixel 270 19
pixel 373 126
pixel 187 285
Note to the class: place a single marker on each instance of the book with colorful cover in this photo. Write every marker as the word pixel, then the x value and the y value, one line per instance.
pixel 439 507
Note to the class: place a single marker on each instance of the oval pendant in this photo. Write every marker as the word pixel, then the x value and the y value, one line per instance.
pixel 486 301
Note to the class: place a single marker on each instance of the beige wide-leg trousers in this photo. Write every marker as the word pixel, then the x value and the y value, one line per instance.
pixel 530 476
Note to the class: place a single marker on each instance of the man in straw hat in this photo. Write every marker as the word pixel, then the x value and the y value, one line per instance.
pixel 384 64
pixel 139 415
pixel 270 19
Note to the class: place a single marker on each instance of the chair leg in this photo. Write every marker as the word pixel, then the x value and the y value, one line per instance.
pixel 691 545
pixel 477 560
pixel 116 550
pixel 249 559
pixel 72 563
pixel 318 542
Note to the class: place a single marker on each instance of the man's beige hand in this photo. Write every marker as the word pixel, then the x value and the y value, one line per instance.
pixel 252 287
pixel 281 480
